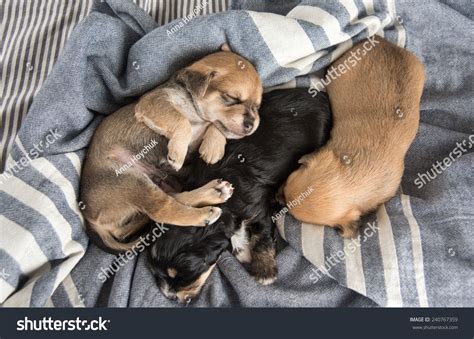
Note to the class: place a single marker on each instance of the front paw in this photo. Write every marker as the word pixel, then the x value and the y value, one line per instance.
pixel 211 214
pixel 211 153
pixel 265 273
pixel 176 155
pixel 223 190
pixel 263 266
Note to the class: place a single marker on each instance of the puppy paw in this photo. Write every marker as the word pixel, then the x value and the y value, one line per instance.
pixel 176 155
pixel 223 189
pixel 211 153
pixel 212 214
pixel 264 275
pixel 264 267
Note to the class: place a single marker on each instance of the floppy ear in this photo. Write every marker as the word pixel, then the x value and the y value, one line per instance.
pixel 195 81
pixel 225 47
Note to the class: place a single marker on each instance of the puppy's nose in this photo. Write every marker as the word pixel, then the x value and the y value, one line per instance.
pixel 248 124
pixel 172 297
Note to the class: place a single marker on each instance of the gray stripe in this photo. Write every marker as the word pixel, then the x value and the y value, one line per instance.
pixel 34 34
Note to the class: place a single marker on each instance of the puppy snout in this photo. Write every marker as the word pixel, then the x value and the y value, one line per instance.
pixel 248 124
pixel 168 292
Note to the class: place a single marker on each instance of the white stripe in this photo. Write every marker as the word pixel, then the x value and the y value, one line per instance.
pixel 54 175
pixel 351 9
pixel 44 68
pixel 43 205
pixel 355 278
pixel 312 244
pixel 280 224
pixel 13 109
pixel 22 298
pixel 389 259
pixel 49 303
pixel 5 290
pixel 67 21
pixel 369 6
pixel 310 60
pixel 400 28
pixel 21 245
pixel 54 44
pixel 75 298
pixel 74 18
pixel 341 49
pixel 417 250
pixel 75 160
pixel 373 23
pixel 10 92
pixel 8 42
pixel 317 16
pixel 286 40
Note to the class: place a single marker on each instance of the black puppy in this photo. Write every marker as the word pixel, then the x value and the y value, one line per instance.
pixel 292 124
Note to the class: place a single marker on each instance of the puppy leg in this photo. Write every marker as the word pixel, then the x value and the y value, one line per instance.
pixel 161 207
pixel 212 148
pixel 213 193
pixel 263 266
pixel 178 144
pixel 161 116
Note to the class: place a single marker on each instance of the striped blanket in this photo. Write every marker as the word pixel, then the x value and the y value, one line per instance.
pixel 416 250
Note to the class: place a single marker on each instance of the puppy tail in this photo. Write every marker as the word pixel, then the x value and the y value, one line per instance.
pixel 105 240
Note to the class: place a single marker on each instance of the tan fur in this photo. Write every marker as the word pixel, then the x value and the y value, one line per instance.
pixel 362 164
pixel 229 74
pixel 185 110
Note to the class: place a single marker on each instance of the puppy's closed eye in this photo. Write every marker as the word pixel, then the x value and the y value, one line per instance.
pixel 230 100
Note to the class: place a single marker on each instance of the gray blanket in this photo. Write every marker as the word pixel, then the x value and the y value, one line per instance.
pixel 416 250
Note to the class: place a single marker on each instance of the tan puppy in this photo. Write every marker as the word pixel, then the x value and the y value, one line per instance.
pixel 375 107
pixel 127 178
pixel 233 114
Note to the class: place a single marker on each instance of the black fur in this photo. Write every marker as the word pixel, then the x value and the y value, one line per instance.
pixel 292 124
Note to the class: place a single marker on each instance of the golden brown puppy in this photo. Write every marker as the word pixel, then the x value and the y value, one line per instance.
pixel 233 113
pixel 375 107
pixel 132 160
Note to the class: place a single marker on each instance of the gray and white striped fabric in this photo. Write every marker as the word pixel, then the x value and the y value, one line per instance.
pixel 33 35
pixel 419 253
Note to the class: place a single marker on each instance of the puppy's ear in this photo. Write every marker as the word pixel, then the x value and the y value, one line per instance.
pixel 225 47
pixel 196 82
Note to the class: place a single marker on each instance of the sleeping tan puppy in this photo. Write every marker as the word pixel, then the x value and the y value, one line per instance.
pixel 166 111
pixel 130 171
pixel 375 107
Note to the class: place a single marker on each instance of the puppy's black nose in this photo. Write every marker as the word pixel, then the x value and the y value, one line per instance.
pixel 248 124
